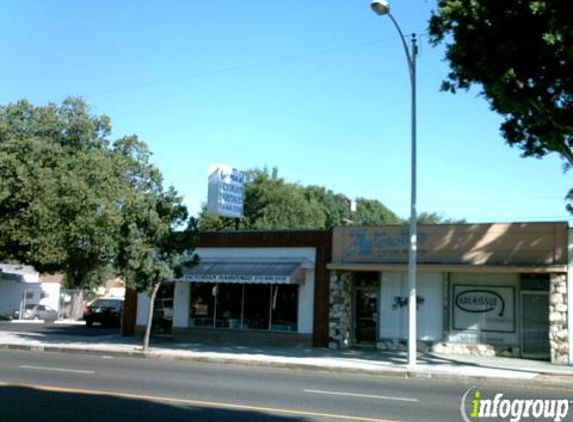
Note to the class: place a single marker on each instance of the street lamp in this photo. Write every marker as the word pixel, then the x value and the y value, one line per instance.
pixel 381 7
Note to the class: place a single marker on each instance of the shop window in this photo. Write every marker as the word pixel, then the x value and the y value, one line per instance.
pixel 535 282
pixel 284 308
pixel 244 306
pixel 202 304
pixel 163 309
pixel 257 306
pixel 367 279
pixel 229 298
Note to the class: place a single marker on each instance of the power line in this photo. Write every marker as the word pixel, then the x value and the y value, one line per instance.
pixel 237 68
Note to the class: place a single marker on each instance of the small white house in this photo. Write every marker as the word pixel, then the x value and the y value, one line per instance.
pixel 20 286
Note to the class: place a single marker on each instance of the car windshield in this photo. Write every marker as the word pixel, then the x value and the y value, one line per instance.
pixel 106 303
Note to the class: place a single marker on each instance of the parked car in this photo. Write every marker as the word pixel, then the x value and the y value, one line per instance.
pixel 38 312
pixel 106 311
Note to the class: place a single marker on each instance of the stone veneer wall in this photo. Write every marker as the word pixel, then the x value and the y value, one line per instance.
pixel 340 317
pixel 340 321
pixel 449 348
pixel 558 318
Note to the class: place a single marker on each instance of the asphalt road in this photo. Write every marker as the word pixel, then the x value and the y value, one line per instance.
pixel 40 386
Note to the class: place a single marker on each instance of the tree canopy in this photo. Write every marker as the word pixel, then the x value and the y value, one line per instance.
pixel 520 53
pixel 58 189
pixel 68 195
pixel 272 203
pixel 156 230
pixel 156 236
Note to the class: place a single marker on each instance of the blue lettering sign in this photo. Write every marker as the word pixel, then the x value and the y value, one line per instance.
pixel 380 242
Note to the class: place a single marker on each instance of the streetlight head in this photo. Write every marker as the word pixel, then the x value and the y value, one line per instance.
pixel 380 7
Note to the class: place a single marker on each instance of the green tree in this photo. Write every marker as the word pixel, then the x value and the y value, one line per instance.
pixel 520 53
pixel 370 212
pixel 71 202
pixel 58 189
pixel 336 207
pixel 156 236
pixel 271 204
pixel 436 218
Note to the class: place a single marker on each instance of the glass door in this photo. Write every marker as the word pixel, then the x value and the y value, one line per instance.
pixel 366 316
pixel 535 325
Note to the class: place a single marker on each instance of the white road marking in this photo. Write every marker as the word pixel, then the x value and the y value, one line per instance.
pixel 212 404
pixel 43 368
pixel 368 396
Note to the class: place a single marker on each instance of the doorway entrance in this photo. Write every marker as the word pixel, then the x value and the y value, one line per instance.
pixel 535 325
pixel 366 315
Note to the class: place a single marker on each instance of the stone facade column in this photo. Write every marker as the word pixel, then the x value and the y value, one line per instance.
pixel 558 320
pixel 340 318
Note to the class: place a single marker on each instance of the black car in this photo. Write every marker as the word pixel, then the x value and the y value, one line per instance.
pixel 104 311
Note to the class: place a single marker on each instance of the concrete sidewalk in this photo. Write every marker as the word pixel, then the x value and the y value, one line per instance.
pixel 466 368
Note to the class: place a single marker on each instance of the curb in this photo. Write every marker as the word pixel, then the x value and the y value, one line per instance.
pixel 72 350
pixel 540 380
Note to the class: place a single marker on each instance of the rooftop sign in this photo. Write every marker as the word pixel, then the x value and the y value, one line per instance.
pixel 226 192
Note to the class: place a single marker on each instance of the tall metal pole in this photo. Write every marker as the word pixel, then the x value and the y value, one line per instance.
pixel 413 235
pixel 412 255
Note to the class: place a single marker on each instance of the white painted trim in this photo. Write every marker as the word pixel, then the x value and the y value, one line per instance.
pixel 181 303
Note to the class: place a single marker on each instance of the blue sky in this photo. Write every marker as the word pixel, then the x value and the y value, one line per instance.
pixel 318 89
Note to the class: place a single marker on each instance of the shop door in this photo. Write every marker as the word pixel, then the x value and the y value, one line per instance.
pixel 366 316
pixel 535 325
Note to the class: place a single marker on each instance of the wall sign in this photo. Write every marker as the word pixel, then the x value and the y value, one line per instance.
pixel 401 301
pixel 238 278
pixel 531 244
pixel 484 308
pixel 480 301
pixel 391 243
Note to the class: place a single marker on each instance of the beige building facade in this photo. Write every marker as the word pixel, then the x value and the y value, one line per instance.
pixel 490 289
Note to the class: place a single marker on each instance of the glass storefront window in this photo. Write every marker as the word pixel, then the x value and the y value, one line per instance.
pixel 202 305
pixel 229 305
pixel 257 306
pixel 163 309
pixel 285 309
pixel 244 306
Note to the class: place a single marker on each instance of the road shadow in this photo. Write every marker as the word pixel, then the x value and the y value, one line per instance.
pixel 25 404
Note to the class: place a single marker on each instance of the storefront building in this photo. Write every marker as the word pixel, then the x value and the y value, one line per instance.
pixel 264 288
pixel 489 289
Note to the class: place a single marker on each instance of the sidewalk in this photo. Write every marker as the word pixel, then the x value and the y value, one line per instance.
pixel 367 361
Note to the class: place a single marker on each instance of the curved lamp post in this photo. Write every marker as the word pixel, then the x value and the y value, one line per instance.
pixel 381 7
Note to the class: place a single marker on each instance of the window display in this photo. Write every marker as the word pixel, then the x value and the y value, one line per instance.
pixel 271 307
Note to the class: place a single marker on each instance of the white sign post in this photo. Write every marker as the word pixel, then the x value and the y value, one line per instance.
pixel 226 193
